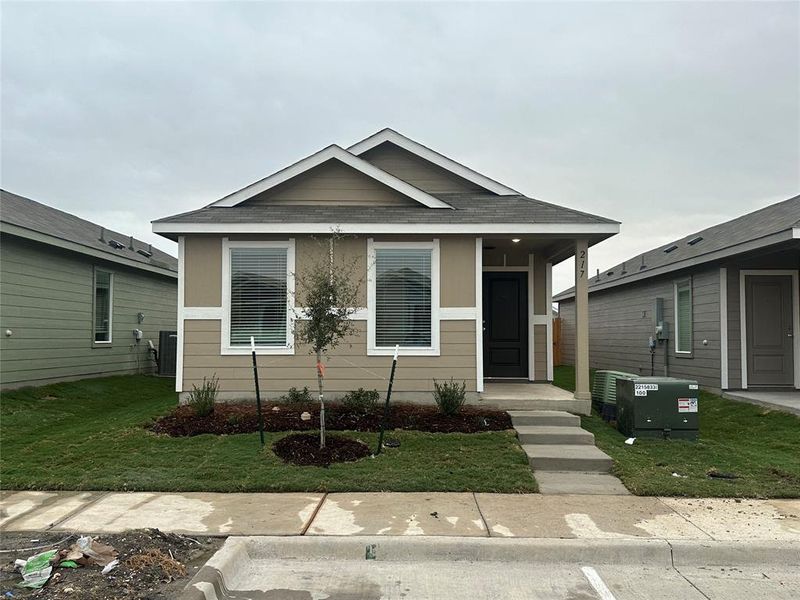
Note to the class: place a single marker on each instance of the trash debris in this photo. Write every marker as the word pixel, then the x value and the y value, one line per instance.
pixel 714 474
pixel 305 416
pixel 36 570
pixel 275 409
pixel 110 567
pixel 68 564
pixel 674 474
pixel 9 594
pixel 630 441
pixel 88 551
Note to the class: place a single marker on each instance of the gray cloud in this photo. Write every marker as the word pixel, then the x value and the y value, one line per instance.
pixel 666 116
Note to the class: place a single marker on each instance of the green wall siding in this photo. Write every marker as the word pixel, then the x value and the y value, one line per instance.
pixel 46 297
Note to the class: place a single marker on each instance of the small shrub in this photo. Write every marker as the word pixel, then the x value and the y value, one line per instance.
pixel 202 399
pixel 450 396
pixel 295 396
pixel 361 400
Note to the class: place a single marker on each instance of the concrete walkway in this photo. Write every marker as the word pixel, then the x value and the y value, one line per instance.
pixel 787 401
pixel 404 514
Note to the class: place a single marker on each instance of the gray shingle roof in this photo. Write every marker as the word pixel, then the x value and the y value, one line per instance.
pixel 774 219
pixel 469 209
pixel 40 218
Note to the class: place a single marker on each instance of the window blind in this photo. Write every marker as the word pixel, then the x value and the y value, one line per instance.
pixel 258 296
pixel 684 312
pixel 403 297
pixel 102 306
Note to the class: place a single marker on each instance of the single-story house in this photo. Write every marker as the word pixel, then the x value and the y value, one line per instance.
pixel 726 298
pixel 73 293
pixel 456 269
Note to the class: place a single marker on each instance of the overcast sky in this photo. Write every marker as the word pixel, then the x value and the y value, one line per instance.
pixel 669 116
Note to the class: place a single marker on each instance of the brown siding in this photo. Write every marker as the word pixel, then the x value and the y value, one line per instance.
pixel 350 254
pixel 417 171
pixel 203 271
pixel 332 182
pixel 540 352
pixel 347 368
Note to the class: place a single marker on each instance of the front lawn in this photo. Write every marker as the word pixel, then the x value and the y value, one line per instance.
pixel 91 435
pixel 760 446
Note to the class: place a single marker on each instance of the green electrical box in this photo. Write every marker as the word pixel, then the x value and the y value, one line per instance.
pixel 662 407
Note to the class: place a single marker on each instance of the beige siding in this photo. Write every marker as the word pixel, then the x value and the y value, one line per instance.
pixel 203 272
pixel 332 182
pixel 457 272
pixel 348 367
pixel 540 352
pixel 350 255
pixel 46 297
pixel 417 171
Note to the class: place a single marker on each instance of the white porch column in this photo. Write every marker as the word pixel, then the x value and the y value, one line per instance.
pixel 582 320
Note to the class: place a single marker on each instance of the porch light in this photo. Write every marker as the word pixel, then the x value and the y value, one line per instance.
pixel 515 240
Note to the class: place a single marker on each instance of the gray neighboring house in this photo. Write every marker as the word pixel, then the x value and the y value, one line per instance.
pixel 71 295
pixel 735 285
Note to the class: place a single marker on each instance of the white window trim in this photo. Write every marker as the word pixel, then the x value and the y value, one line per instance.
pixel 676 335
pixel 110 339
pixel 225 342
pixel 372 348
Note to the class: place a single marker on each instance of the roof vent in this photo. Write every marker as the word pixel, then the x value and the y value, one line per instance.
pixel 598 275
pixel 103 234
pixel 624 270
pixel 116 245
pixel 130 244
pixel 670 249
pixel 643 266
pixel 610 273
pixel 145 253
pixel 693 241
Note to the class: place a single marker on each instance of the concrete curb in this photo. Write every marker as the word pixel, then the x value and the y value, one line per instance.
pixel 214 578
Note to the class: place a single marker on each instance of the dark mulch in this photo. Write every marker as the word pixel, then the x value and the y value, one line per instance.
pixel 303 449
pixel 242 418
pixel 153 565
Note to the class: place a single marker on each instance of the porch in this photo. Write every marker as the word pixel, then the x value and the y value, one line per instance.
pixel 523 395
pixel 514 298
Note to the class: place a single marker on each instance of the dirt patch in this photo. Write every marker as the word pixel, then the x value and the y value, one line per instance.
pixel 153 565
pixel 240 418
pixel 303 449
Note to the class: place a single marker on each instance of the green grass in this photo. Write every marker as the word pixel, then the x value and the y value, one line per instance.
pixel 90 435
pixel 761 446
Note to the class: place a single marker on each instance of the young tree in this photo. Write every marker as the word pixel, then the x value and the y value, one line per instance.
pixel 328 291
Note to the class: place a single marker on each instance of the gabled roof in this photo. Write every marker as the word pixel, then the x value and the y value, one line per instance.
pixel 774 224
pixel 33 220
pixel 332 152
pixel 391 136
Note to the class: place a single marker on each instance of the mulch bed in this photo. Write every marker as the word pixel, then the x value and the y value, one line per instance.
pixel 153 565
pixel 303 449
pixel 241 418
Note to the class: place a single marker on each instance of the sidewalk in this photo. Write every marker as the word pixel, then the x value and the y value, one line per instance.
pixel 404 514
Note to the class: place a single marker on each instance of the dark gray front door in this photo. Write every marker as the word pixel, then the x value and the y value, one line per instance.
pixel 770 354
pixel 505 323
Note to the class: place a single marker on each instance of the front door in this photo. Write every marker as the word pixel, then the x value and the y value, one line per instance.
pixel 505 324
pixel 768 305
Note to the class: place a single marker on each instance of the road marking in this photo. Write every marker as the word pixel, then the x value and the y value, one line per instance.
pixel 597 583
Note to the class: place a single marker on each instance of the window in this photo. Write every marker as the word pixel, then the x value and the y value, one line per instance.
pixel 258 296
pixel 683 317
pixel 404 297
pixel 103 306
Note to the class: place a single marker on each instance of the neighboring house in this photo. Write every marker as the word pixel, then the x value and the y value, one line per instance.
pixel 71 295
pixel 735 286
pixel 456 270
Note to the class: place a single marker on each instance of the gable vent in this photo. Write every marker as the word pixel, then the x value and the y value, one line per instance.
pixel 693 241
pixel 670 249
